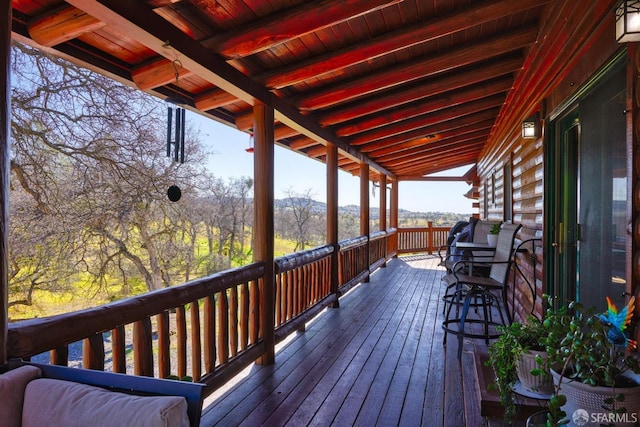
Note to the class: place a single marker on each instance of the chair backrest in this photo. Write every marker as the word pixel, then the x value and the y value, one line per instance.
pixel 504 252
pixel 480 231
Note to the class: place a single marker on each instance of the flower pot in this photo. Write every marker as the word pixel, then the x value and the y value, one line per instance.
pixel 492 240
pixel 584 400
pixel 542 384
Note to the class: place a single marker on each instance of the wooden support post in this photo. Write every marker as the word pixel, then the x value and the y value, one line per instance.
pixel 263 117
pixel 383 202
pixel 383 210
pixel 364 210
pixel 332 216
pixel 393 214
pixel 5 120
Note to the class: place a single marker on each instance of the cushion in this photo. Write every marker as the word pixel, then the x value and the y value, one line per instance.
pixel 12 386
pixel 51 402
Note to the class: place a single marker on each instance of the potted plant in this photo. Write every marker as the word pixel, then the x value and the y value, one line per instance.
pixel 513 355
pixel 492 237
pixel 592 366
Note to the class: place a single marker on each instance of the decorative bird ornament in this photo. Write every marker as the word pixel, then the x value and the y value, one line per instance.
pixel 617 323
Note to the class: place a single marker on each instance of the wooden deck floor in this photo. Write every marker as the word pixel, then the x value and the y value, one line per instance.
pixel 377 360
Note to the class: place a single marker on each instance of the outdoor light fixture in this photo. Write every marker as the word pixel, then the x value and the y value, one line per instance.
pixel 530 127
pixel 175 137
pixel 628 21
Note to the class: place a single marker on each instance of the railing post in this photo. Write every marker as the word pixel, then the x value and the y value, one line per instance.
pixel 393 214
pixel 5 118
pixel 430 237
pixel 383 212
pixel 332 217
pixel 263 117
pixel 364 212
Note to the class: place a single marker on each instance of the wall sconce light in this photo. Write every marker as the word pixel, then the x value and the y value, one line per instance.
pixel 530 127
pixel 628 21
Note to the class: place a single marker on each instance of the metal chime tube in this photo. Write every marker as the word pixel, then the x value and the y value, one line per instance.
pixel 176 151
pixel 182 112
pixel 178 142
pixel 169 120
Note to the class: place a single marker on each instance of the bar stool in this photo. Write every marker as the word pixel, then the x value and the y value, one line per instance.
pixel 484 293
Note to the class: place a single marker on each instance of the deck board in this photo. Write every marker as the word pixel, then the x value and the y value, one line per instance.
pixel 377 360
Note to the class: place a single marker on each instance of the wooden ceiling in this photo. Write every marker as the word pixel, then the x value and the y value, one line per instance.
pixel 411 87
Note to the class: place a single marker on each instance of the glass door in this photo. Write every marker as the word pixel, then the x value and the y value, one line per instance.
pixel 586 212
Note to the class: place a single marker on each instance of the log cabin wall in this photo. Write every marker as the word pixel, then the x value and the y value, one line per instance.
pixel 553 73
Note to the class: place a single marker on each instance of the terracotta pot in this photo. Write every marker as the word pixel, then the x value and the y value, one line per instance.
pixel 542 384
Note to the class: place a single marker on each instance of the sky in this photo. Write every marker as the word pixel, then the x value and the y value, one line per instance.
pixel 299 173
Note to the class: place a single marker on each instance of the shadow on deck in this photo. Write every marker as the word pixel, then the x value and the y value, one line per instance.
pixel 377 360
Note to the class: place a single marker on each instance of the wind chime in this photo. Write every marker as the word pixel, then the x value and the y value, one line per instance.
pixel 178 131
pixel 175 135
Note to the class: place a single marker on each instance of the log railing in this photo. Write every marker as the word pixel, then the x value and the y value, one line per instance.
pixel 303 288
pixel 377 249
pixel 353 267
pixel 209 328
pixel 196 329
pixel 422 239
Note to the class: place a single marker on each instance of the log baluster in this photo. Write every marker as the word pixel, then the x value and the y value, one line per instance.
pixel 93 352
pixel 59 356
pixel 196 345
pixel 254 312
pixel 244 315
pixel 118 349
pixel 278 298
pixel 223 325
pixel 164 352
pixel 210 333
pixel 142 348
pixel 233 320
pixel 181 328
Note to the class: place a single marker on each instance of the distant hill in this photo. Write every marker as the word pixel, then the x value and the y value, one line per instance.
pixel 404 216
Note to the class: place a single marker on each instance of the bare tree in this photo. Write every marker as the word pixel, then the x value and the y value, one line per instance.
pixel 89 179
pixel 299 220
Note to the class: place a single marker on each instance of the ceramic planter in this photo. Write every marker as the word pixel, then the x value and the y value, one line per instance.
pixel 591 399
pixel 541 384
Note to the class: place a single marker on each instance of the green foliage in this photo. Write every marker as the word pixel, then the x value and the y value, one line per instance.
pixel 514 340
pixel 495 229
pixel 578 349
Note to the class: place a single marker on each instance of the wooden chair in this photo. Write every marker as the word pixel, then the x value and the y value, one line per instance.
pixel 480 292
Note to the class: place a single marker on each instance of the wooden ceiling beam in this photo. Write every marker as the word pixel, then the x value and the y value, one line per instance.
pixel 61 24
pixel 388 43
pixel 397 157
pixel 290 24
pixel 441 152
pixel 427 66
pixel 461 157
pixel 457 155
pixel 412 92
pixel 303 142
pixel 427 120
pixel 426 141
pixel 428 105
pixel 215 98
pixel 157 72
pixel 421 132
pixel 152 31
pixel 430 132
